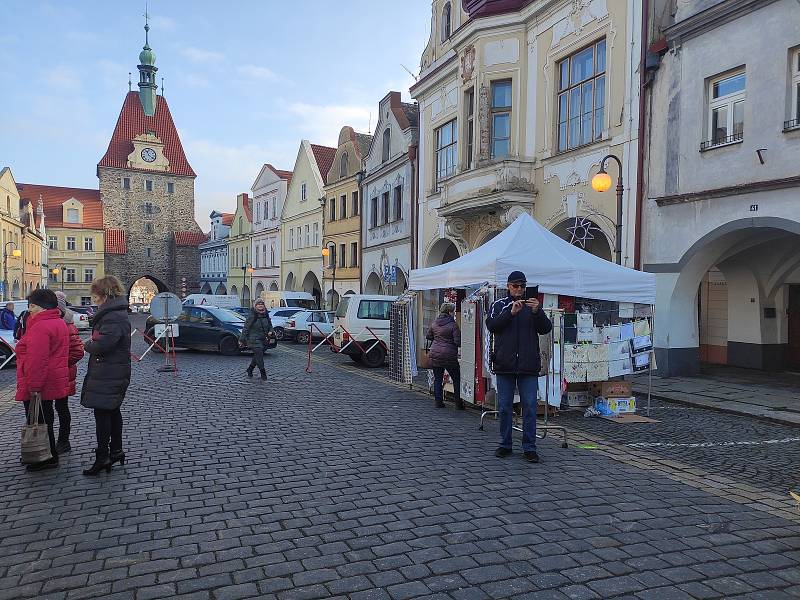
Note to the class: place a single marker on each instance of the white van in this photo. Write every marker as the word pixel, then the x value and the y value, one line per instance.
pixel 220 300
pixel 363 318
pixel 282 299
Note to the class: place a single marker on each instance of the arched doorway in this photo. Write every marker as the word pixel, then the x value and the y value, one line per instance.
pixel 143 289
pixel 221 290
pixel 234 290
pixel 441 252
pixel 585 234
pixel 373 284
pixel 398 288
pixel 15 290
pixel 331 299
pixel 206 289
pixel 259 289
pixel 349 293
pixel 289 282
pixel 273 287
pixel 312 286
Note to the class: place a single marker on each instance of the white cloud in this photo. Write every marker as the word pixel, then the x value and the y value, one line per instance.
pixel 321 124
pixel 256 72
pixel 201 56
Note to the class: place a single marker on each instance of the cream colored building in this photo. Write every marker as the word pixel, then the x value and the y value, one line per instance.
pixel 12 267
pixel 301 220
pixel 240 267
pixel 342 218
pixel 518 106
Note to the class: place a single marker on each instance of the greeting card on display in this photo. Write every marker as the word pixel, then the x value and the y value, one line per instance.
pixel 575 353
pixel 575 372
pixel 597 371
pixel 585 320
pixel 641 343
pixel 626 310
pixel 597 336
pixel 597 353
pixel 619 351
pixel 586 334
pixel 641 328
pixel 641 362
pixel 626 332
pixel 550 301
pixel 618 368
pixel 611 334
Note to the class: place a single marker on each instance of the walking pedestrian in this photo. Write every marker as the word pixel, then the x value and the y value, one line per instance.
pixel 516 323
pixel 75 356
pixel 257 329
pixel 443 353
pixel 42 363
pixel 8 319
pixel 109 372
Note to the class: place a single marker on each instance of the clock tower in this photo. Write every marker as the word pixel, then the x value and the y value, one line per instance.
pixel 147 190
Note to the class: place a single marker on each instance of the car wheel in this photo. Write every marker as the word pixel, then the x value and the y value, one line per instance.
pixel 302 337
pixel 279 333
pixel 356 358
pixel 374 358
pixel 229 346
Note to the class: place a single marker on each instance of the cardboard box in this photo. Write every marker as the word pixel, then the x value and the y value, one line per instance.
pixel 616 406
pixel 578 399
pixel 611 389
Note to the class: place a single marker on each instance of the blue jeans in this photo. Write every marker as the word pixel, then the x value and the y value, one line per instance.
pixel 528 388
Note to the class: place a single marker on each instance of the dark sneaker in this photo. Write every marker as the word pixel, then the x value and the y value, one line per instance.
pixel 62 447
pixel 50 463
pixel 531 457
pixel 503 452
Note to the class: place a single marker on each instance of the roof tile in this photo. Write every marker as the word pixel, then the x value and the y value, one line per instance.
pixel 115 241
pixel 324 156
pixel 54 196
pixel 190 238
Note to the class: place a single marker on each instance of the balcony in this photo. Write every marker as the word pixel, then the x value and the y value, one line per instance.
pixel 791 125
pixel 720 141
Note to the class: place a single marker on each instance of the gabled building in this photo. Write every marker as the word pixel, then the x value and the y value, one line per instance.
pixel 342 218
pixel 389 198
pixel 269 193
pixel 34 241
pixel 240 268
pixel 76 244
pixel 301 220
pixel 12 238
pixel 214 255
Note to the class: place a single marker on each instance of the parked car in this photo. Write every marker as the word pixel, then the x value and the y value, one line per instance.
pixel 283 299
pixel 309 324
pixel 207 328
pixel 365 317
pixel 279 317
pixel 87 310
pixel 241 310
pixel 218 300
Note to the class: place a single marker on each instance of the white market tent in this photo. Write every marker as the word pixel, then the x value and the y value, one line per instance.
pixel 553 264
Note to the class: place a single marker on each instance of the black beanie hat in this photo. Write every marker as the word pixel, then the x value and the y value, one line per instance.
pixel 516 277
pixel 44 298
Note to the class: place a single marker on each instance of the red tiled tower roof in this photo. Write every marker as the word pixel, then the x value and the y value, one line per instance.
pixel 324 156
pixel 190 238
pixel 132 122
pixel 115 241
pixel 54 196
pixel 227 218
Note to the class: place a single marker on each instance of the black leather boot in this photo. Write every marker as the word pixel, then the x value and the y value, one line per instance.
pixel 117 457
pixel 101 462
pixel 263 375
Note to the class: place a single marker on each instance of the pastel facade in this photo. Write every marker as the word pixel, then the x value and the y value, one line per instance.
pixel 239 281
pixel 12 235
pixel 269 193
pixel 214 255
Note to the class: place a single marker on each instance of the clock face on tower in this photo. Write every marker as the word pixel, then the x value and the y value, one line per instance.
pixel 148 155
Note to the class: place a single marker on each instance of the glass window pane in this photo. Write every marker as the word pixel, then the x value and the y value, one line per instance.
pixel 599 105
pixel 738 118
pixel 563 81
pixel 719 124
pixel 586 125
pixel 501 94
pixel 582 65
pixel 500 148
pixel 599 115
pixel 588 97
pixel 601 57
pixel 562 108
pixel 501 126
pixel 575 132
pixel 797 112
pixel 562 136
pixel 730 85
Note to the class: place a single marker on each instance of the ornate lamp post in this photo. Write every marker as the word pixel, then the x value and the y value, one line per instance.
pixel 327 252
pixel 602 183
pixel 55 271
pixel 247 268
pixel 16 253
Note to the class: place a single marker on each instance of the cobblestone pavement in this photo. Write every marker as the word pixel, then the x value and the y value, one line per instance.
pixel 338 484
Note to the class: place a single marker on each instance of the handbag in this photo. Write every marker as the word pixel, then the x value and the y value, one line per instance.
pixel 35 446
pixel 425 360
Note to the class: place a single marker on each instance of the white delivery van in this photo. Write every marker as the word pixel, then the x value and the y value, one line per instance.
pixel 282 299
pixel 220 300
pixel 363 318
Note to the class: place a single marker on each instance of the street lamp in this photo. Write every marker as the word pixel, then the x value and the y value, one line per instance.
pixel 55 271
pixel 247 268
pixel 331 252
pixel 16 253
pixel 602 183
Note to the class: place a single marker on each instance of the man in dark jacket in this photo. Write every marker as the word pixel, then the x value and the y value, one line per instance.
pixel 255 332
pixel 516 324
pixel 7 318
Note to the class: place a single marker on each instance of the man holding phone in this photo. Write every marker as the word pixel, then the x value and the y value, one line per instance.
pixel 516 323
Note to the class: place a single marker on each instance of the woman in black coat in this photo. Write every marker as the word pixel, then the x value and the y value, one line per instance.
pixel 255 333
pixel 109 371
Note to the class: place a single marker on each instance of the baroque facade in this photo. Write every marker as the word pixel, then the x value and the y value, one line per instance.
pixel 389 201
pixel 147 192
pixel 341 224
pixel 721 222
pixel 269 193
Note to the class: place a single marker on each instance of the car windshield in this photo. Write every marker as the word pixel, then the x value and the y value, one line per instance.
pixel 300 302
pixel 284 312
pixel 341 310
pixel 226 316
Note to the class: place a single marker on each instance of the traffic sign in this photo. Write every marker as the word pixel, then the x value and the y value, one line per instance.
pixel 165 307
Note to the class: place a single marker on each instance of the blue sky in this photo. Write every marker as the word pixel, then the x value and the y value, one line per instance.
pixel 245 81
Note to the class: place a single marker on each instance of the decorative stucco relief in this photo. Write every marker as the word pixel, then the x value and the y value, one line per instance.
pixel 573 171
pixel 483 122
pixel 583 12
pixel 468 64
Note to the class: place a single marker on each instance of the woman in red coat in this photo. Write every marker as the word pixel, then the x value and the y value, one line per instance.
pixel 43 362
pixel 75 356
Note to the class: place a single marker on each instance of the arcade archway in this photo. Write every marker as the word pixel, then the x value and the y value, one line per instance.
pixel 312 286
pixel 221 290
pixel 206 289
pixel 143 289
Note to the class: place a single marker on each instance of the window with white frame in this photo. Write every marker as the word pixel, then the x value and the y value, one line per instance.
pixel 446 150
pixel 69 275
pixel 88 275
pixel 316 234
pixel 308 236
pixel 373 216
pixel 303 191
pixel 343 207
pixel 501 118
pixel 794 116
pixel 274 203
pixel 170 187
pixel 353 254
pixel 70 243
pixel 385 207
pixel 88 244
pixel 73 215
pixel 469 125
pixel 397 201
pixel 126 183
pixel 343 165
pixel 355 207
pixel 581 97
pixel 342 255
pixel 387 145
pixel 332 209
pixel 291 239
pixel 726 97
pixel 52 242
pixel 272 255
pixel 148 185
pixel 446 22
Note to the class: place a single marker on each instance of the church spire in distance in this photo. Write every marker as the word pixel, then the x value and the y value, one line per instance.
pixel 147 73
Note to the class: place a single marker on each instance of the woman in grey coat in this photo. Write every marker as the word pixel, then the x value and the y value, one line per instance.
pixel 109 371
pixel 443 353
pixel 255 332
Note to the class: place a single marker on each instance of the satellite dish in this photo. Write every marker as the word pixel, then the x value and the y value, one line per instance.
pixel 165 306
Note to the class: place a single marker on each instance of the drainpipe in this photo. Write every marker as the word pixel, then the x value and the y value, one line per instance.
pixel 412 156
pixel 637 251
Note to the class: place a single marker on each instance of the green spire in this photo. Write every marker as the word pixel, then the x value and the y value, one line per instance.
pixel 147 74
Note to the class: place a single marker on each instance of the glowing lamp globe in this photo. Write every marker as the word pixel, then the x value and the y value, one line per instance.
pixel 56 271
pixel 250 269
pixel 601 182
pixel 325 252
pixel 16 253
